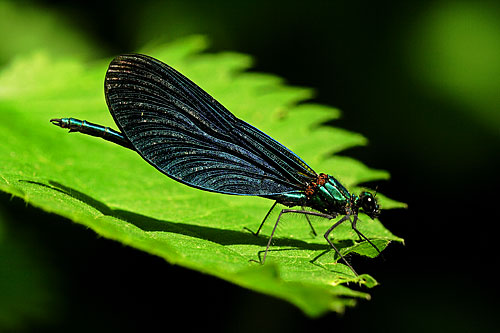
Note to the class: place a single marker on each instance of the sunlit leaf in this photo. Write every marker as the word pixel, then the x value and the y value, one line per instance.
pixel 121 197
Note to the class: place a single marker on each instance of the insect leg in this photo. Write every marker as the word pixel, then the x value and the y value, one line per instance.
pixel 271 237
pixel 263 221
pixel 327 233
pixel 361 236
pixel 284 211
pixel 307 212
pixel 309 221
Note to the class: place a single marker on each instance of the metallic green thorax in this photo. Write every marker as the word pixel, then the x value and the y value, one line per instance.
pixel 330 198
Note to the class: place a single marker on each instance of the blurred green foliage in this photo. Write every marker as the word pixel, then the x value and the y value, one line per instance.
pixel 26 27
pixel 454 53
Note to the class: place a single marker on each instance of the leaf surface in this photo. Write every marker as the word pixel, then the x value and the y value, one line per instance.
pixel 121 197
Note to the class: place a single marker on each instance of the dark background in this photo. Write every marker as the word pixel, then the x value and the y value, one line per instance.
pixel 420 79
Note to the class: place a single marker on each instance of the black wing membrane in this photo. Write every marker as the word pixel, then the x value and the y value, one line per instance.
pixel 185 133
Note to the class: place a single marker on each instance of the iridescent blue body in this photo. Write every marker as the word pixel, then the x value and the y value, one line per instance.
pixel 330 198
pixel 107 133
pixel 186 134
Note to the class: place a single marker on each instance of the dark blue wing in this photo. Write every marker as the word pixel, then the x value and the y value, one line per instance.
pixel 189 136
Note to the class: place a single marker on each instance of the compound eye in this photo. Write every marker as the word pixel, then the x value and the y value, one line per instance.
pixel 369 204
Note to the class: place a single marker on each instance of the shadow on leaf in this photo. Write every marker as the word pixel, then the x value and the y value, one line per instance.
pixel 149 224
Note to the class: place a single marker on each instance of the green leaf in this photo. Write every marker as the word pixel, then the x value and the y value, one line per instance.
pixel 121 197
